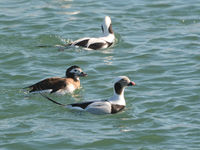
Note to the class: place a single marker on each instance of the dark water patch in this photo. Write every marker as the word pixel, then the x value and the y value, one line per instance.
pixel 159 5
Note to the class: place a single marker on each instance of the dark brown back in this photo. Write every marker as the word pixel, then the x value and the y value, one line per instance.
pixel 49 83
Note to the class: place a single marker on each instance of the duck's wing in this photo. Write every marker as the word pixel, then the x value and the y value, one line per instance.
pixel 97 43
pixel 94 107
pixel 99 107
pixel 53 84
pixel 81 42
pixel 81 105
pixel 91 43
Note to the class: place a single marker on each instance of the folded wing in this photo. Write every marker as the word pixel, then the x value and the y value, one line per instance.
pixel 53 84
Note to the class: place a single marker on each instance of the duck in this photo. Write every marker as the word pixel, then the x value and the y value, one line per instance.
pixel 103 42
pixel 60 85
pixel 111 105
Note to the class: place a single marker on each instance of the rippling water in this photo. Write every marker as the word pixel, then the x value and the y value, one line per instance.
pixel 157 46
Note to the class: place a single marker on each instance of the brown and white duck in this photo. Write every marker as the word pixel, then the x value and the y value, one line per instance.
pixel 60 85
pixel 112 105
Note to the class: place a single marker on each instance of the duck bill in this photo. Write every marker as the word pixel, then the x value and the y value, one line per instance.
pixel 131 83
pixel 83 74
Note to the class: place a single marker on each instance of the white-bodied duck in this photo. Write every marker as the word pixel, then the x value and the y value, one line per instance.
pixel 98 43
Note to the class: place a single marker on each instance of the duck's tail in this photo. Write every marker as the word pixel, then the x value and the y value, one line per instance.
pixel 50 99
pixel 60 47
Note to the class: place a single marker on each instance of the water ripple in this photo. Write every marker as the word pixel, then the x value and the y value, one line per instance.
pixel 157 46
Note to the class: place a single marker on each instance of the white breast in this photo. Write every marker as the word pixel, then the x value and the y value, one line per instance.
pixel 69 89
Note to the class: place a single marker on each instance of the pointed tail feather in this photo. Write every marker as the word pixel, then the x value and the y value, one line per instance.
pixel 27 88
pixel 50 99
pixel 30 88
pixel 45 46
pixel 55 46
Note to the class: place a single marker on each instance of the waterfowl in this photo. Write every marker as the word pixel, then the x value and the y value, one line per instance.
pixel 112 105
pixel 98 43
pixel 60 85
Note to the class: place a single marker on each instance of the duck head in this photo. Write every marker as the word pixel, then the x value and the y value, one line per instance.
pixel 75 72
pixel 120 83
pixel 107 26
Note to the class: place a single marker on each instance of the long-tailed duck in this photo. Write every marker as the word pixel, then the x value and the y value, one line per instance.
pixel 60 85
pixel 112 105
pixel 98 43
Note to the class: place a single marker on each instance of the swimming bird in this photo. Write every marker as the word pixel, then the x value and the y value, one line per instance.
pixel 60 85
pixel 98 43
pixel 113 105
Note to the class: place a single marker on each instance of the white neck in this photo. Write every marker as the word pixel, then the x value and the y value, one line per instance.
pixel 109 37
pixel 118 99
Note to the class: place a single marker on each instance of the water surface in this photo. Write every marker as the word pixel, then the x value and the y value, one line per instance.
pixel 157 47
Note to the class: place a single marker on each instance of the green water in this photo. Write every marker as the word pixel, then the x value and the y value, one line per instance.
pixel 157 46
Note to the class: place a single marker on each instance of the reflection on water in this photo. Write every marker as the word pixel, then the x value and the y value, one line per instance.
pixel 70 13
pixel 66 6
pixel 108 60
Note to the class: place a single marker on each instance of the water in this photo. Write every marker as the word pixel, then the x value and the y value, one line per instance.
pixel 157 47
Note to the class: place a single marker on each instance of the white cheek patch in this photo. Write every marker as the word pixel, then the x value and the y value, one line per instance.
pixel 72 71
pixel 76 71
